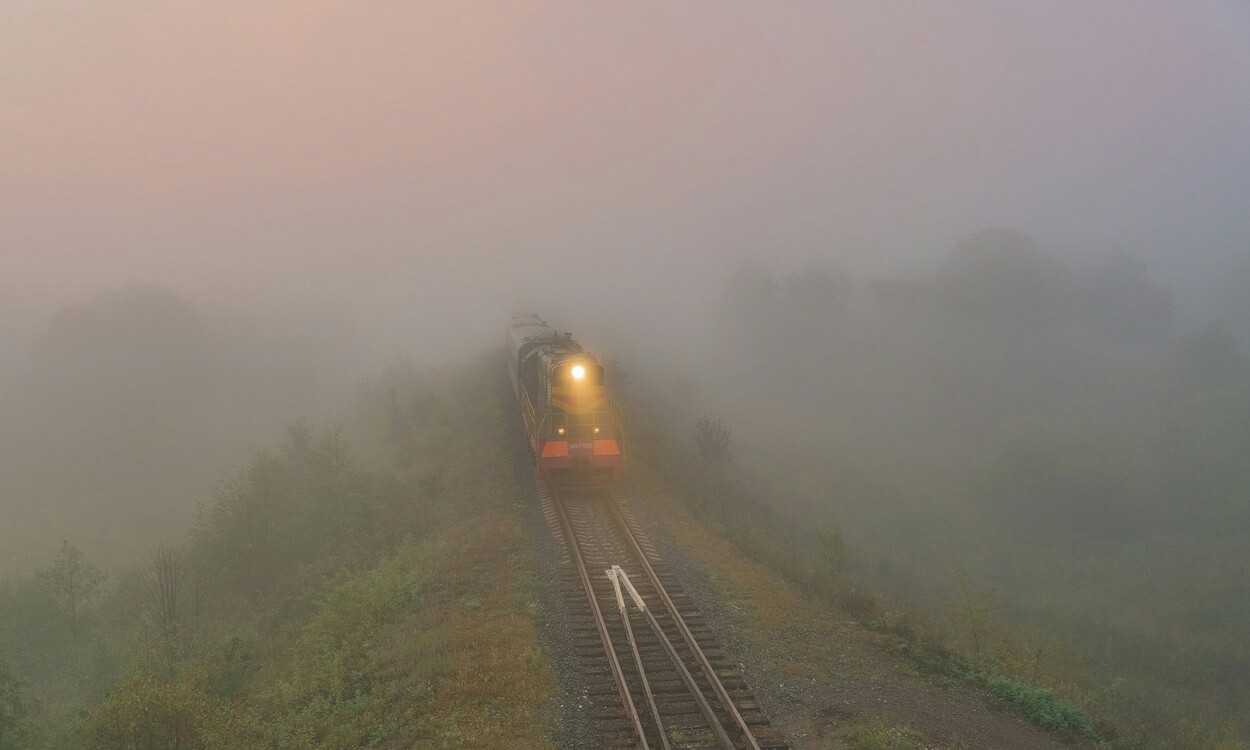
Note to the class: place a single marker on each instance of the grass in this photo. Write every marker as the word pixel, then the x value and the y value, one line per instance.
pixel 498 689
pixel 1039 704
pixel 787 622
pixel 329 694
pixel 383 640
pixel 878 735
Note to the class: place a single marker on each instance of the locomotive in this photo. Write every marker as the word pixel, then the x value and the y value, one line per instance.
pixel 573 426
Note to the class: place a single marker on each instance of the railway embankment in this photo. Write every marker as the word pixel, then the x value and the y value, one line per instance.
pixel 822 675
pixel 366 586
pixel 824 678
pixel 396 584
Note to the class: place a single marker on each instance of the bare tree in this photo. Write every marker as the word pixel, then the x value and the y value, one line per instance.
pixel 71 581
pixel 163 584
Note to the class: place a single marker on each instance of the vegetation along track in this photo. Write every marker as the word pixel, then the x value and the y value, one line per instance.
pixel 655 675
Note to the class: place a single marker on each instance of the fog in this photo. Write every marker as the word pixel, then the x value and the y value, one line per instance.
pixel 983 251
pixel 425 169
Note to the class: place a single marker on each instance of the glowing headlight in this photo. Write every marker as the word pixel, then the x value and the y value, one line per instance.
pixel 559 430
pixel 579 372
pixel 596 430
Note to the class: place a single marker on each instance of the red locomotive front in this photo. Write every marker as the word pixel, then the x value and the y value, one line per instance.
pixel 573 425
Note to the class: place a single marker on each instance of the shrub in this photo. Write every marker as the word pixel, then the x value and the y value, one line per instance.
pixel 285 508
pixel 149 712
pixel 711 438
pixel 331 695
pixel 832 552
pixel 14 710
pixel 1040 704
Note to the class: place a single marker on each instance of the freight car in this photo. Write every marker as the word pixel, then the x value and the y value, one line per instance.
pixel 572 424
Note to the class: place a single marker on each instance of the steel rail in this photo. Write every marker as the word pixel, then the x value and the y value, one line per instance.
pixel 633 647
pixel 686 635
pixel 576 553
pixel 705 708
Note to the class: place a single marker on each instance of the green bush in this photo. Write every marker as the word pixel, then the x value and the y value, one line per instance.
pixel 14 710
pixel 331 694
pixel 286 509
pixel 149 712
pixel 1040 704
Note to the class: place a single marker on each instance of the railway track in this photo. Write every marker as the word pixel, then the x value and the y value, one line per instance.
pixel 656 678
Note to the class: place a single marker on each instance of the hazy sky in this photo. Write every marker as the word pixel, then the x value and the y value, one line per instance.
pixel 446 162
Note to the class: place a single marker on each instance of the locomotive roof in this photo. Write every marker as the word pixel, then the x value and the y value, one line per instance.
pixel 528 333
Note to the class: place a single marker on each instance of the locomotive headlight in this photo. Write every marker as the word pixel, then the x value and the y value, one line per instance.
pixel 559 430
pixel 579 372
pixel 596 430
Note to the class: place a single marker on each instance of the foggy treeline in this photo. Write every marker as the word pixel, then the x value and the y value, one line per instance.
pixel 1069 436
pixel 125 410
pixel 1057 433
pixel 179 648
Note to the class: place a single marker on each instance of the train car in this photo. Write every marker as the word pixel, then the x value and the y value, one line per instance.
pixel 572 424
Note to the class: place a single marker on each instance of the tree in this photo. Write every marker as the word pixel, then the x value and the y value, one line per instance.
pixel 142 351
pixel 711 438
pixel 164 584
pixel 998 283
pixel 1123 302
pixel 71 581
pixel 615 375
pixel 148 712
pixel 14 710
pixel 832 551
pixel 978 610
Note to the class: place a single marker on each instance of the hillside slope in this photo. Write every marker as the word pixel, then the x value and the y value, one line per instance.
pixel 395 591
pixel 826 680
pixel 364 586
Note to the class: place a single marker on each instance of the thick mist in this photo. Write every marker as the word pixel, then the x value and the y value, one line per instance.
pixel 133 405
pixel 1049 431
pixel 969 284
pixel 425 169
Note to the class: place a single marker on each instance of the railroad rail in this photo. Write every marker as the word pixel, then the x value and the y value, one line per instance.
pixel 656 679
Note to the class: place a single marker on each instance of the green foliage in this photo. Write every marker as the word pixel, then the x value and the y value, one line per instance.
pixel 878 735
pixel 149 712
pixel 1044 488
pixel 1040 422
pixel 832 552
pixel 172 603
pixel 711 440
pixel 1040 704
pixel 71 581
pixel 324 691
pixel 290 619
pixel 1196 735
pixel 977 611
pixel 331 694
pixel 401 417
pixel 15 728
pixel 141 347
pixel 284 509
pixel 231 668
